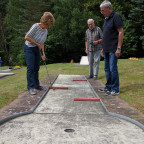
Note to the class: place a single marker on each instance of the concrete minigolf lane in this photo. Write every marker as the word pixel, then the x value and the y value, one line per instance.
pixel 6 74
pixel 61 120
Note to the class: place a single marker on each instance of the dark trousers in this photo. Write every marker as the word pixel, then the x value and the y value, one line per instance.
pixel 32 56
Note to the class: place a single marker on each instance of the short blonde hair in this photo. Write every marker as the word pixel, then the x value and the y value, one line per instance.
pixel 47 19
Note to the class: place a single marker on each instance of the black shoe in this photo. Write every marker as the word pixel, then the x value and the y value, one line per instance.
pixel 41 88
pixel 103 90
pixel 95 78
pixel 108 93
pixel 32 92
pixel 89 77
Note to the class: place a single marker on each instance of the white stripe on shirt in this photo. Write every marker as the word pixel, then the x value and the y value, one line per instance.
pixel 37 34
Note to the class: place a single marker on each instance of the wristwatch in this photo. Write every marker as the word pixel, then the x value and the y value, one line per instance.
pixel 119 48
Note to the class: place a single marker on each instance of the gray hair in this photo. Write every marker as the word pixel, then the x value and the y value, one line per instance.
pixel 90 20
pixel 106 3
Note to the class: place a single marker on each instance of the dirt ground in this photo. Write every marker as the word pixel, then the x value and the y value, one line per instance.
pixel 25 102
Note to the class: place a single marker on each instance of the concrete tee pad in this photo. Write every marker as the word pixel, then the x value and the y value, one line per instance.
pixel 6 74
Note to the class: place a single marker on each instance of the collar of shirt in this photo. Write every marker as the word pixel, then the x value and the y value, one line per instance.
pixel 111 15
pixel 92 29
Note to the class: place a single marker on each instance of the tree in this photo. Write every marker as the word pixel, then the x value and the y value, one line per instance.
pixel 21 14
pixel 129 41
pixel 66 39
pixel 3 43
pixel 137 20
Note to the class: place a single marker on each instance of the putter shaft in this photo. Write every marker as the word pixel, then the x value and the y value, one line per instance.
pixel 47 73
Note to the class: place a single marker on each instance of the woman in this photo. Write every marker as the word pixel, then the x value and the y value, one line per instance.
pixel 34 43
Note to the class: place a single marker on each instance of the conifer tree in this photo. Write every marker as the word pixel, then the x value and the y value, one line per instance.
pixel 137 20
pixel 3 43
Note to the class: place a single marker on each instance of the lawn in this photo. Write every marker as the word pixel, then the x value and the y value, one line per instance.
pixel 130 72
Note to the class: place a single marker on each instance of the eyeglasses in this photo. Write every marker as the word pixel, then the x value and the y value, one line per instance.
pixel 90 24
pixel 102 11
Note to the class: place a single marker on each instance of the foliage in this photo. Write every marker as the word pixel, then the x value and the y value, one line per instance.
pixel 137 19
pixel 68 33
pixel 19 18
pixel 3 46
pixel 66 38
pixel 122 6
pixel 130 41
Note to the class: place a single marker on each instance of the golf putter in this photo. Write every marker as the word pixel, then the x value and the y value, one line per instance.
pixel 48 74
pixel 51 82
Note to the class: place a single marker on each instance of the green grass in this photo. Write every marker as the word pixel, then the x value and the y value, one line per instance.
pixel 4 67
pixel 130 72
pixel 132 83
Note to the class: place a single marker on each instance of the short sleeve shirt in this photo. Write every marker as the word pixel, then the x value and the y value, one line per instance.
pixel 93 35
pixel 110 33
pixel 37 34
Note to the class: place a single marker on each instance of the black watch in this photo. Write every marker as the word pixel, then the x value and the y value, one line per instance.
pixel 119 48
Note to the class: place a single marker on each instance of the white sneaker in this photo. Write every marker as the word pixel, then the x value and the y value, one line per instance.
pixel 32 92
pixel 113 93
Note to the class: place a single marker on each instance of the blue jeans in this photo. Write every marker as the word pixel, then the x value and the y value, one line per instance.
pixel 32 56
pixel 111 72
